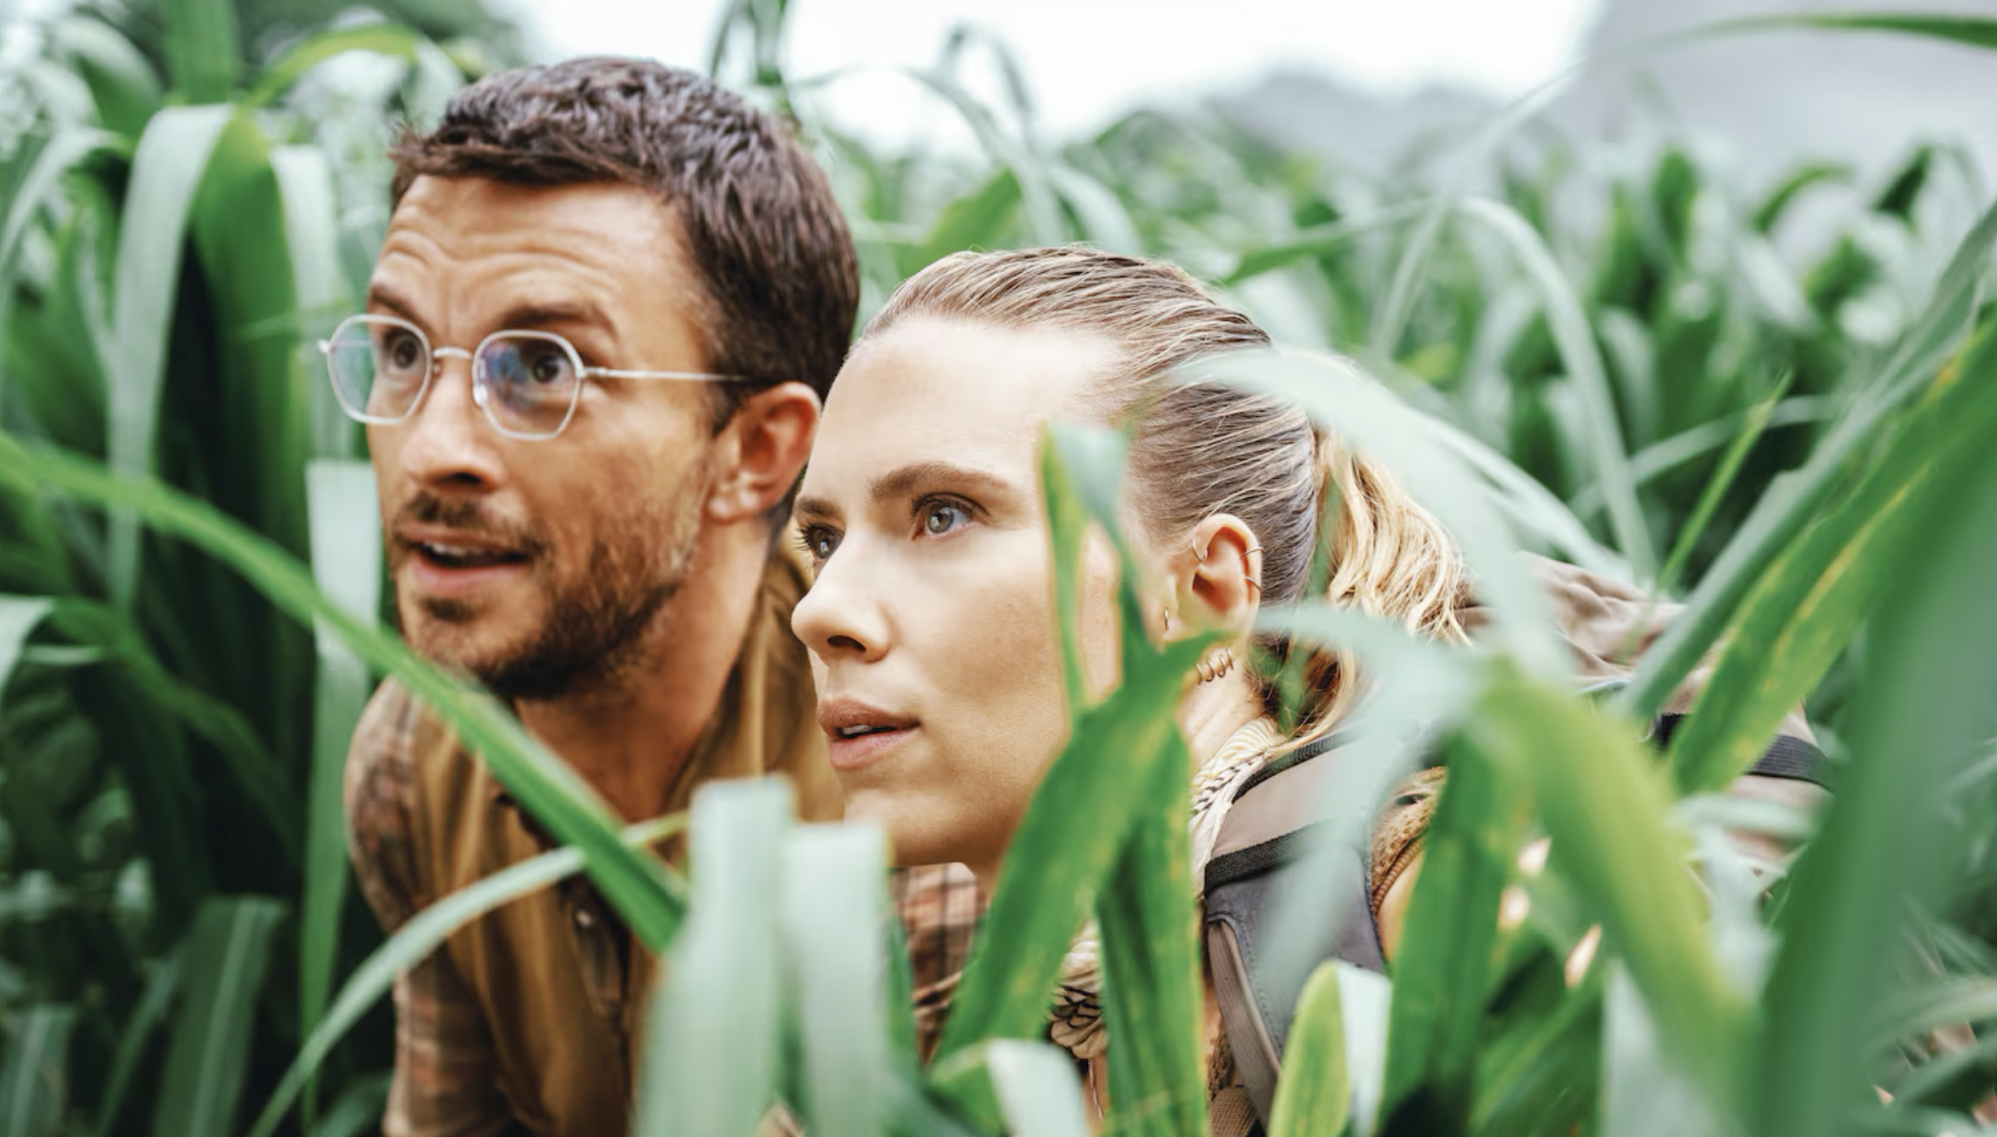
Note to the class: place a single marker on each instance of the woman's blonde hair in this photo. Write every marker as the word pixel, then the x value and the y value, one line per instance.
pixel 1205 448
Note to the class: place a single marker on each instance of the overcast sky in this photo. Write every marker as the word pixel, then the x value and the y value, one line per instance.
pixel 1087 60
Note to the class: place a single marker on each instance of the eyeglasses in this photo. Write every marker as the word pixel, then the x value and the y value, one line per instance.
pixel 527 383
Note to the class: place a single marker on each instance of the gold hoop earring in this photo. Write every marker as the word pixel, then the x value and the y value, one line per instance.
pixel 1215 665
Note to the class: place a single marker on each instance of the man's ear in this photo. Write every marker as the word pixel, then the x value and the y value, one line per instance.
pixel 761 452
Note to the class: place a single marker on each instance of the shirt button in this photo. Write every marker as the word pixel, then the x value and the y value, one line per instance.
pixel 585 919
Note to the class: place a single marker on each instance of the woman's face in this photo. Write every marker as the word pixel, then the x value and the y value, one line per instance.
pixel 931 622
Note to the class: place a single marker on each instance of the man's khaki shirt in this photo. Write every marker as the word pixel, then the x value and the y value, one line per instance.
pixel 526 1021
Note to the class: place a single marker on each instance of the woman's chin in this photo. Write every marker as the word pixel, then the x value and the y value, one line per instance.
pixel 914 835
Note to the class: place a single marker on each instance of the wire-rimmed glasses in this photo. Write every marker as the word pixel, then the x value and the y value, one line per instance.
pixel 527 382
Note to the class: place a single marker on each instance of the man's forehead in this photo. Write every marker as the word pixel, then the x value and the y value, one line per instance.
pixel 587 251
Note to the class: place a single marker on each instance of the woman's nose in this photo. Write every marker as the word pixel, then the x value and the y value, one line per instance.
pixel 840 618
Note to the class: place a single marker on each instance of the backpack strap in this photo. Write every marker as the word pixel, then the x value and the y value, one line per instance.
pixel 1271 826
pixel 1787 757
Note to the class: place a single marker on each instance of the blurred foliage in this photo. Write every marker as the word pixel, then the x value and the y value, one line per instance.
pixel 1768 400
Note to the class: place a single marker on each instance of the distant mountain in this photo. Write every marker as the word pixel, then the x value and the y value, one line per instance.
pixel 1774 97
pixel 1765 100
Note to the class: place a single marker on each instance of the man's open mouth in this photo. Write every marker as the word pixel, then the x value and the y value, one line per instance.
pixel 465 556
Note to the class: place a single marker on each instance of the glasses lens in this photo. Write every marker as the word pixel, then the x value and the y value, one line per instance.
pixel 531 381
pixel 378 368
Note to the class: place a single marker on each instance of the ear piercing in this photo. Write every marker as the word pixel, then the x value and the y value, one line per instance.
pixel 1215 665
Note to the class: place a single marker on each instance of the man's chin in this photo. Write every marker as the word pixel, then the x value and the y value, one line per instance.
pixel 468 641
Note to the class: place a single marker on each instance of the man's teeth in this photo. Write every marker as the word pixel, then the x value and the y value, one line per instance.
pixel 857 731
pixel 463 554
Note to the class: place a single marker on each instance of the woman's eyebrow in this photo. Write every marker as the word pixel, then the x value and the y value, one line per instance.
pixel 904 480
pixel 809 510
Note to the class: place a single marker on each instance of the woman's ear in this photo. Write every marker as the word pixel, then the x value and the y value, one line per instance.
pixel 761 452
pixel 1218 582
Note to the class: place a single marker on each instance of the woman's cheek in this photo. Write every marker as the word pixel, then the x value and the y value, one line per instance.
pixel 1099 617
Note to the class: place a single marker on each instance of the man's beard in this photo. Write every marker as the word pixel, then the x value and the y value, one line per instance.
pixel 593 631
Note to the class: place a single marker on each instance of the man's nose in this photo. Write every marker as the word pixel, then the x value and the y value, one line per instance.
pixel 841 617
pixel 447 443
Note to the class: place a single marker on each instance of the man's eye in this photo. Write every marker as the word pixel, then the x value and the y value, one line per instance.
pixel 941 517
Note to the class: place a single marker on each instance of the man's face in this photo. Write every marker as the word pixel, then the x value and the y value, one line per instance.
pixel 539 566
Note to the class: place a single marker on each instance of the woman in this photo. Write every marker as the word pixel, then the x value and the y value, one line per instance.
pixel 930 620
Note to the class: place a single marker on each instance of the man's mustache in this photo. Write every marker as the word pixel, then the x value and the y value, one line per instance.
pixel 470 517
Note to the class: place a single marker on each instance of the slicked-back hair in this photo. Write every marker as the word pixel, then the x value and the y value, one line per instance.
pixel 757 219
pixel 1202 448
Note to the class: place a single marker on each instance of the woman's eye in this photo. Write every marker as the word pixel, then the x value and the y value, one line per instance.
pixel 819 544
pixel 939 518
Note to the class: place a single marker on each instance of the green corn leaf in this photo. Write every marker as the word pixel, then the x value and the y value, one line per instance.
pixel 1068 531
pixel 134 1039
pixel 1318 241
pixel 711 1050
pixel 638 885
pixel 1795 500
pixel 1576 342
pixel 358 1108
pixel 832 916
pixel 1036 193
pixel 224 960
pixel 1668 454
pixel 1150 958
pixel 1819 590
pixel 312 234
pixel 1925 715
pixel 1443 970
pixel 35 1075
pixel 1971 31
pixel 166 174
pixel 396 40
pixel 978 219
pixel 215 720
pixel 1777 203
pixel 424 933
pixel 346 566
pixel 61 154
pixel 1753 422
pixel 1103 220
pixel 19 616
pixel 1314 1095
pixel 1037 1089
pixel 1603 803
pixel 1643 1095
pixel 121 81
pixel 204 54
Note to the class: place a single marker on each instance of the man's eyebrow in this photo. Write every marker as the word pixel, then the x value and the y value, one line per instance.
pixel 525 316
pixel 382 296
pixel 903 480
pixel 540 315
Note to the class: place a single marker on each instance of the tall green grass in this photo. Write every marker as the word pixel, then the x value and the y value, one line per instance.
pixel 189 622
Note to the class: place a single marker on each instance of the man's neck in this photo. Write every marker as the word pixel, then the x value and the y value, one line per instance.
pixel 631 739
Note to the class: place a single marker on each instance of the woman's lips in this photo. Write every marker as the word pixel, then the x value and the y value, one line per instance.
pixel 859 751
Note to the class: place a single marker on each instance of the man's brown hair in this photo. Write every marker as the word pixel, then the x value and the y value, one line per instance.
pixel 756 214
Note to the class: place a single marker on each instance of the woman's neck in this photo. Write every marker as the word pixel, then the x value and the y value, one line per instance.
pixel 1212 713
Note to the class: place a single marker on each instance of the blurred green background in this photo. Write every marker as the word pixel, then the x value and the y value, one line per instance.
pixel 1630 341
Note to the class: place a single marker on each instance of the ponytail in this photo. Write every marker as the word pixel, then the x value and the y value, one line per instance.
pixel 1388 557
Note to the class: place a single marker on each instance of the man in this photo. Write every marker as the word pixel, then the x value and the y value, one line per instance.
pixel 610 301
